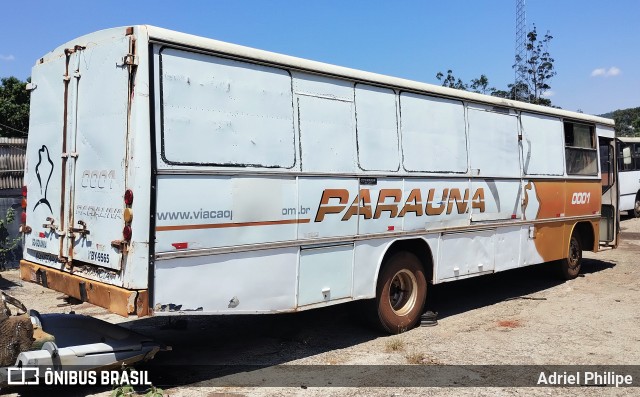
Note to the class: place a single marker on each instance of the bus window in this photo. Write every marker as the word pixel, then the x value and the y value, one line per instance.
pixel 580 149
pixel 626 160
pixel 435 126
pixel 376 128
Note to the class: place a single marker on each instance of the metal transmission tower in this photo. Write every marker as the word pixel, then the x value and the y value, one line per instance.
pixel 521 77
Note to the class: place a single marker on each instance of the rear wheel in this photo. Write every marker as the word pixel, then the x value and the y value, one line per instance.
pixel 636 207
pixel 570 266
pixel 401 293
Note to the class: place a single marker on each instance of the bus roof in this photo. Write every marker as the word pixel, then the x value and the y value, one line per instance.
pixel 189 41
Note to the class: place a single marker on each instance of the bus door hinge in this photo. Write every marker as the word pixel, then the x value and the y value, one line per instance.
pixel 51 225
pixel 120 245
pixel 130 60
pixel 82 230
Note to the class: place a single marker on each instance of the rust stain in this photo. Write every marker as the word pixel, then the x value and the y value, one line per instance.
pixel 142 303
pixel 225 225
pixel 509 323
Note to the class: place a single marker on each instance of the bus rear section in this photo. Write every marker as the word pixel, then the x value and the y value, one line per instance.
pixel 78 196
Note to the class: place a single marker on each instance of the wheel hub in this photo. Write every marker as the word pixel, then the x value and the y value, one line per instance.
pixel 403 292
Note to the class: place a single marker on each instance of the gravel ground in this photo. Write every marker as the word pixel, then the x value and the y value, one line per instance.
pixel 518 317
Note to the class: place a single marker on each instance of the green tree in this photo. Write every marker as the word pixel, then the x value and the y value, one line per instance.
pixel 520 92
pixel 479 85
pixel 14 107
pixel 627 121
pixel 451 81
pixel 538 67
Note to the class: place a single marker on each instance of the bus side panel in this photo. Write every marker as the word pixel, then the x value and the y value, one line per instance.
pixel 206 211
pixel 550 240
pixel 247 282
pixel 326 202
pixel 369 255
pixel 629 189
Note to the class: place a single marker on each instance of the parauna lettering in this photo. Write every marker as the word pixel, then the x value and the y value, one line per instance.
pixel 447 201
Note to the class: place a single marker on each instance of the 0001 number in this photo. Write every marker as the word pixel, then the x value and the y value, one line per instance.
pixel 98 256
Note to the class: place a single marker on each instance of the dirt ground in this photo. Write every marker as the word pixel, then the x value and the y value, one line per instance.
pixel 518 317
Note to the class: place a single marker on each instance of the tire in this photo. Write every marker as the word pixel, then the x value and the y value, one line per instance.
pixel 570 267
pixel 400 294
pixel 636 208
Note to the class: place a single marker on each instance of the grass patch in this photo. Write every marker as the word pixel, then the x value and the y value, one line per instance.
pixel 421 359
pixel 394 345
pixel 416 358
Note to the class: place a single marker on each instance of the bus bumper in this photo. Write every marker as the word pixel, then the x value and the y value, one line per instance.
pixel 117 300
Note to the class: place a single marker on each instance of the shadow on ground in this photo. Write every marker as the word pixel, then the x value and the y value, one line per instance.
pixel 6 284
pixel 464 295
pixel 208 347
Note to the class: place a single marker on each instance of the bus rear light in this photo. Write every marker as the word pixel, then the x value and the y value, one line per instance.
pixel 128 197
pixel 180 246
pixel 128 215
pixel 23 204
pixel 126 233
pixel 42 235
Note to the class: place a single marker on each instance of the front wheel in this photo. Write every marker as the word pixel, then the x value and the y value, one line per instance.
pixel 636 208
pixel 570 266
pixel 401 293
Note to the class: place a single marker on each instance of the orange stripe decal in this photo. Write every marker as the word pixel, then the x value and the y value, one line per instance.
pixel 236 224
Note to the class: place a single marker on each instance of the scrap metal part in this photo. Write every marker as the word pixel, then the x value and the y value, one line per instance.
pixel 16 332
pixel 65 342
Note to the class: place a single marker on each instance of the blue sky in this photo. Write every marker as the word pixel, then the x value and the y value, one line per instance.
pixel 596 45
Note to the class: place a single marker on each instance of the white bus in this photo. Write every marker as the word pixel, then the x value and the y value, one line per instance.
pixel 629 169
pixel 172 174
